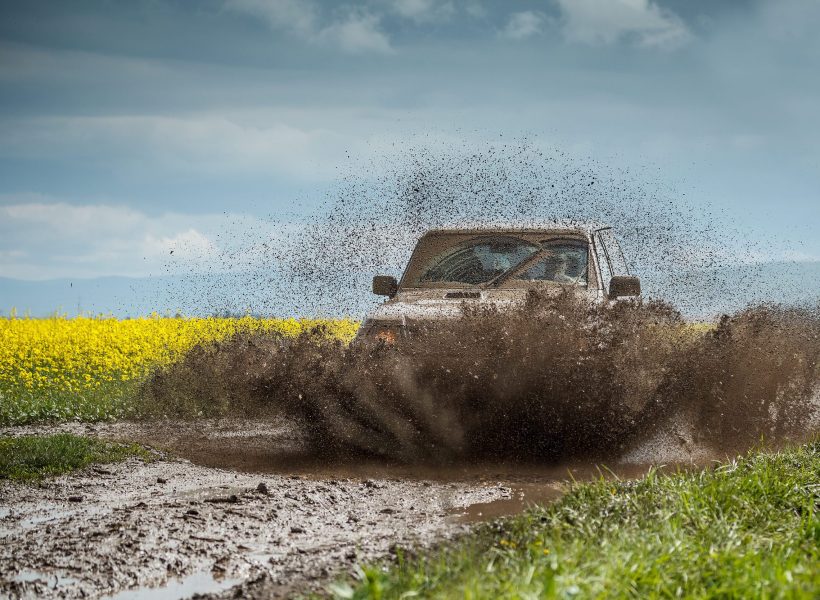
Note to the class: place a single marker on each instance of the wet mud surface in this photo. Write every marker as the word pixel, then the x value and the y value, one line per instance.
pixel 188 528
pixel 242 508
pixel 231 506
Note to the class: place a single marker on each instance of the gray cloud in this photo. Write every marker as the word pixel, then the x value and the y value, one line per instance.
pixel 356 30
pixel 424 11
pixel 523 25
pixel 359 31
pixel 298 16
pixel 609 21
pixel 43 239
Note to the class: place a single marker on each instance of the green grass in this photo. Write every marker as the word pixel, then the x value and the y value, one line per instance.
pixel 746 529
pixel 33 457
pixel 21 406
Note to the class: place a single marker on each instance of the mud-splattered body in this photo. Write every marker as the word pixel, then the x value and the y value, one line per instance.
pixel 495 268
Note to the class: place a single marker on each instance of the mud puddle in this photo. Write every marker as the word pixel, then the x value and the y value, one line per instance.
pixel 520 498
pixel 53 578
pixel 201 582
pixel 526 487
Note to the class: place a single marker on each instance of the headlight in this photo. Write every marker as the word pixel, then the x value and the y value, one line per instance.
pixel 388 336
pixel 387 332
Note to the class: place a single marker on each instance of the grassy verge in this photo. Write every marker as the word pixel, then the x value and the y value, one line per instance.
pixel 747 529
pixel 33 457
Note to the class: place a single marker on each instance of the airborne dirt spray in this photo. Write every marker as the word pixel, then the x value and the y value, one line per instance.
pixel 553 380
pixel 372 222
pixel 377 211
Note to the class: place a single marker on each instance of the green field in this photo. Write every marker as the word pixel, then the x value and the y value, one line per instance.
pixel 746 529
pixel 32 457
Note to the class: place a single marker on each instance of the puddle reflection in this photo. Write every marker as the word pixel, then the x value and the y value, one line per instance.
pixel 200 582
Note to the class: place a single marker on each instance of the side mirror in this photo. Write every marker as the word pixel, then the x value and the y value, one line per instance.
pixel 385 285
pixel 624 285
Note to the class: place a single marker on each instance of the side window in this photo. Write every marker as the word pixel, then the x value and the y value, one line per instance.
pixel 564 262
pixel 612 252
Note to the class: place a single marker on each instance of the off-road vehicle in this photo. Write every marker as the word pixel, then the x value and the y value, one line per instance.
pixel 497 266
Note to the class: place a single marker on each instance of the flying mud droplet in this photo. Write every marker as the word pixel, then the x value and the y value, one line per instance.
pixel 291 265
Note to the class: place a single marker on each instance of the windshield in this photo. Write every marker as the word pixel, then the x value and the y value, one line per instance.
pixel 477 261
pixel 506 259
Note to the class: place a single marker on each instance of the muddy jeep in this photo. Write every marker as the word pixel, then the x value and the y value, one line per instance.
pixel 497 266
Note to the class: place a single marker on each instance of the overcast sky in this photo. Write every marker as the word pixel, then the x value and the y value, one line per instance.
pixel 128 129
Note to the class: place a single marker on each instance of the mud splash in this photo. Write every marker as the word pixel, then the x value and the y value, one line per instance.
pixel 555 380
pixel 546 384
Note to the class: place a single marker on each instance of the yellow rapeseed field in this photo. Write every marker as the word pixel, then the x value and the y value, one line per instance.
pixel 81 368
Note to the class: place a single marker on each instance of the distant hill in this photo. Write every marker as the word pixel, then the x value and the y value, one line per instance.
pixel 122 296
pixel 703 293
pixel 235 293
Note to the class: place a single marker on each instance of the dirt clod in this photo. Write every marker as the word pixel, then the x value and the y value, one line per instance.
pixel 232 499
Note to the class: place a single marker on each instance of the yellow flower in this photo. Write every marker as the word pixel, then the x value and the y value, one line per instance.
pixel 62 354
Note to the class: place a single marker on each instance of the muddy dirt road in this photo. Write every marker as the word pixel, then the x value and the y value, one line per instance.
pixel 238 508
pixel 138 526
pixel 232 507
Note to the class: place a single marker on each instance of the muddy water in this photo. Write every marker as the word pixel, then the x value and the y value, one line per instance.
pixel 183 528
pixel 526 488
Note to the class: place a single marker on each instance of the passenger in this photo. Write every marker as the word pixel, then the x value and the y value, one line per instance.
pixel 576 267
pixel 561 265
pixel 561 274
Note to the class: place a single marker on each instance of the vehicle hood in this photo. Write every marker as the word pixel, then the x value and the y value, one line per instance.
pixel 441 304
